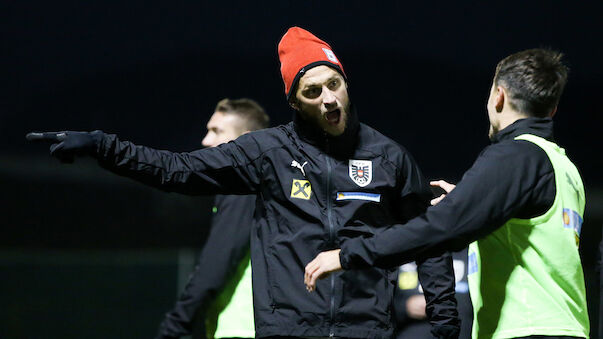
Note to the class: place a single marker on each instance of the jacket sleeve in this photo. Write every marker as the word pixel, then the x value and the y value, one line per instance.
pixel 436 274
pixel 503 182
pixel 227 245
pixel 437 278
pixel 226 169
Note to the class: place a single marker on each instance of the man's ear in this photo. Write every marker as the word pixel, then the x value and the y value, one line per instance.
pixel 499 99
pixel 552 114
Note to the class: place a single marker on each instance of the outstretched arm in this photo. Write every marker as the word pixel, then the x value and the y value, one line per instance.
pixel 515 179
pixel 328 262
pixel 229 168
pixel 506 181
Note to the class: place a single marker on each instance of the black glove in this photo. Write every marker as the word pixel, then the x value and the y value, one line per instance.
pixel 67 144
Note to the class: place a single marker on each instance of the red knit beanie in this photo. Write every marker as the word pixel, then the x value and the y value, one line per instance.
pixel 300 50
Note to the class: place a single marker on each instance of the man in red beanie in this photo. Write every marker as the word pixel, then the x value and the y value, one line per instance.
pixel 321 180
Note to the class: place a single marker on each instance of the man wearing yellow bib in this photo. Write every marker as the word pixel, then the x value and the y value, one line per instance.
pixel 520 206
pixel 217 300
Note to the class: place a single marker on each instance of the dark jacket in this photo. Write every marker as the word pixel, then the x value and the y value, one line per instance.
pixel 510 179
pixel 307 203
pixel 226 246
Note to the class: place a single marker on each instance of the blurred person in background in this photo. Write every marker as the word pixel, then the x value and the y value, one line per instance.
pixel 217 300
pixel 520 205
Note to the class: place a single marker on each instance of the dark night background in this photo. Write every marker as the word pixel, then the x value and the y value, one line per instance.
pixel 86 253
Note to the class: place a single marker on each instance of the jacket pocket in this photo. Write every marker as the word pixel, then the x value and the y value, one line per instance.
pixel 367 297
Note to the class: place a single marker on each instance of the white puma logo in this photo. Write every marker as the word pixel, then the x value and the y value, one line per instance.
pixel 297 165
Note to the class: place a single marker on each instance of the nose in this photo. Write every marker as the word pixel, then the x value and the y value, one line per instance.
pixel 207 141
pixel 328 98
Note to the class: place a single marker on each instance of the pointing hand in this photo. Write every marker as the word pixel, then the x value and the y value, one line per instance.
pixel 66 145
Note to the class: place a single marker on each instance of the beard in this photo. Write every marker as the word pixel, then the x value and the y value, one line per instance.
pixel 321 121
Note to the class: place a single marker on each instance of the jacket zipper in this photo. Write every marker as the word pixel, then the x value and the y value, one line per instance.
pixel 331 240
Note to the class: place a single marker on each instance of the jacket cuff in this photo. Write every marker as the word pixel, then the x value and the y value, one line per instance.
pixel 343 259
pixel 99 137
pixel 353 254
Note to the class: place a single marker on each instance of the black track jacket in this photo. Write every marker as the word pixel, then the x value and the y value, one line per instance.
pixel 311 197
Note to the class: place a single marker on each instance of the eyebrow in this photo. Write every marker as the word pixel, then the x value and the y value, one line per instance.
pixel 315 84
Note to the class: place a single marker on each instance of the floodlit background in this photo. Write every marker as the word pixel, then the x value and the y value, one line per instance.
pixel 84 253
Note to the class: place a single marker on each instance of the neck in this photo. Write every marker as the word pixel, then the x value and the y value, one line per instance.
pixel 542 127
pixel 508 117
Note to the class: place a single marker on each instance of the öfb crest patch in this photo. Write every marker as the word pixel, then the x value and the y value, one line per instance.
pixel 361 171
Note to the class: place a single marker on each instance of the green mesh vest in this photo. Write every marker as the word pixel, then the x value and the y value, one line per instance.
pixel 233 311
pixel 526 278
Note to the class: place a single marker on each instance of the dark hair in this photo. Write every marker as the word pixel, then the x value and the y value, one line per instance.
pixel 250 111
pixel 534 80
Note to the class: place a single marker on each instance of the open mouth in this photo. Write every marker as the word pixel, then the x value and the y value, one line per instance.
pixel 333 116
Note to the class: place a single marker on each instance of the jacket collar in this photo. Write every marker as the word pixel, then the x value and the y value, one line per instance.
pixel 339 146
pixel 542 127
